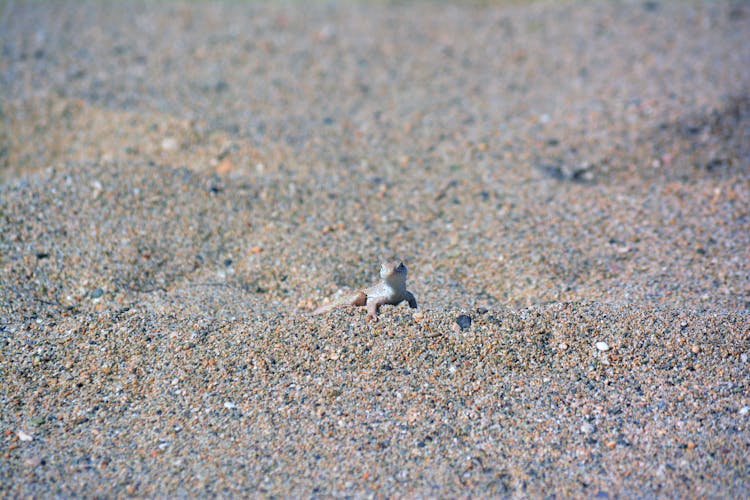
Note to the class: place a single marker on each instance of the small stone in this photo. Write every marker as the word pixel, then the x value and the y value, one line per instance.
pixel 224 166
pixel 36 421
pixel 418 316
pixel 602 346
pixel 464 321
pixel 588 428
pixel 229 405
pixel 97 293
pixel 34 461
pixel 562 346
pixel 744 410
pixel 169 144
pixel 695 348
pixel 96 189
pixel 24 437
pixel 325 34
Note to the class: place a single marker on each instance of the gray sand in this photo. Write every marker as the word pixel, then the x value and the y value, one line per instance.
pixel 182 183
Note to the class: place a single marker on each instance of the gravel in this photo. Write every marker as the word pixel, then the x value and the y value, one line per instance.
pixel 181 183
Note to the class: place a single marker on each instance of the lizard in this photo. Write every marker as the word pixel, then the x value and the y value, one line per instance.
pixel 390 290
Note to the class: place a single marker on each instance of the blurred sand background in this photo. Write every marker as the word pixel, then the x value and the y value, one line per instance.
pixel 181 183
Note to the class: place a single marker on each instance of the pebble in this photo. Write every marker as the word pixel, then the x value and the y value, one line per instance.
pixel 24 437
pixel 602 346
pixel 169 144
pixel 744 410
pixel 464 321
pixel 34 461
pixel 224 166
pixel 588 428
pixel 36 421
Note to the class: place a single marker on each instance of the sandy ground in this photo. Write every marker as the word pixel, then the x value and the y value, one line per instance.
pixel 181 183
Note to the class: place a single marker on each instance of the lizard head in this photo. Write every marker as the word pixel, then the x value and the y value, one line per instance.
pixel 393 272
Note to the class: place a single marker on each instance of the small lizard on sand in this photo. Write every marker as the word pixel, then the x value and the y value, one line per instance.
pixel 391 290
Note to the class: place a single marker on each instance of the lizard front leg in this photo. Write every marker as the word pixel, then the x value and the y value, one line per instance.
pixel 373 306
pixel 411 299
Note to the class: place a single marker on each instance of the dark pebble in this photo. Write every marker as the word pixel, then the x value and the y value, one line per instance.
pixel 464 321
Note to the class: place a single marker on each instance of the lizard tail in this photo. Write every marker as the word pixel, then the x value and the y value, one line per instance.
pixel 325 308
pixel 356 299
